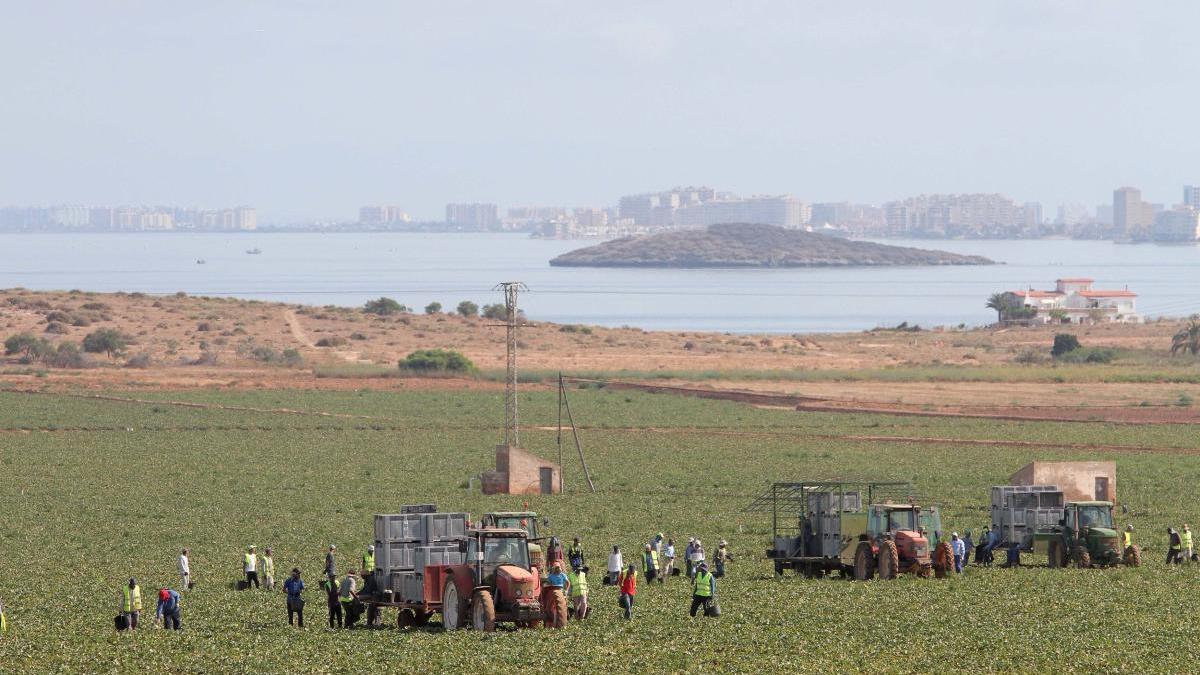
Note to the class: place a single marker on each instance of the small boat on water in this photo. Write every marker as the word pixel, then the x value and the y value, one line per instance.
pixel 254 251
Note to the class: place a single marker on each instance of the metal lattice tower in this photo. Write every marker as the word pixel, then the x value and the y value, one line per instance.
pixel 510 290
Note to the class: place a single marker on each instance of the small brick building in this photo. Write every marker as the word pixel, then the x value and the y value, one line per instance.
pixel 1079 481
pixel 522 473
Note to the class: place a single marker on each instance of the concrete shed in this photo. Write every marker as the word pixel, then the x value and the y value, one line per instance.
pixel 522 473
pixel 1080 481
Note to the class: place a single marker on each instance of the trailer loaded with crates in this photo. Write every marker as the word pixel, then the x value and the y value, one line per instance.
pixel 1019 511
pixel 427 562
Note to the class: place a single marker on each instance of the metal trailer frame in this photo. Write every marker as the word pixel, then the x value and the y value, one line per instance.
pixel 792 499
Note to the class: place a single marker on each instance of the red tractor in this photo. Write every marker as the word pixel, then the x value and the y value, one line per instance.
pixel 495 583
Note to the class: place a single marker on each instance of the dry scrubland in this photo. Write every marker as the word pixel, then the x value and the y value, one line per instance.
pixel 111 489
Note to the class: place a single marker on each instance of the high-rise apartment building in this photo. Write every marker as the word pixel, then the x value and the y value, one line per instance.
pixel 383 214
pixel 1072 214
pixel 1191 196
pixel 964 214
pixel 473 216
pixel 781 210
pixel 658 208
pixel 1132 217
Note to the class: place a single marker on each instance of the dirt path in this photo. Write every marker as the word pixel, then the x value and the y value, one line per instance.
pixel 301 336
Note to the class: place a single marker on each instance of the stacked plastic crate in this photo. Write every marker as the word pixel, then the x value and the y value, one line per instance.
pixel 407 542
pixel 1019 511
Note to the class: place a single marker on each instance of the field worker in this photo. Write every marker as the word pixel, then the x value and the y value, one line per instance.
pixel 268 569
pixel 650 563
pixel 960 550
pixel 687 556
pixel 697 555
pixel 723 555
pixel 333 601
pixel 1128 535
pixel 669 556
pixel 615 565
pixel 168 609
pixel 131 602
pixel 348 593
pixel 185 570
pixel 627 584
pixel 971 546
pixel 368 566
pixel 657 543
pixel 579 591
pixel 250 566
pixel 330 563
pixel 1187 542
pixel 704 588
pixel 557 578
pixel 1173 548
pixel 3 619
pixel 295 604
pixel 575 554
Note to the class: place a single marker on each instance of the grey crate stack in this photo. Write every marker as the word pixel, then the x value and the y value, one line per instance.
pixel 1020 510
pixel 405 543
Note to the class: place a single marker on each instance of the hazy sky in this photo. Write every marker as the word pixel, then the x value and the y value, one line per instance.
pixel 311 109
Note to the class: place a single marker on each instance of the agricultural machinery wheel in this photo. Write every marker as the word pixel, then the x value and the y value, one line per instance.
pixel 406 619
pixel 889 560
pixel 864 562
pixel 1082 558
pixel 556 610
pixel 778 569
pixel 943 560
pixel 454 608
pixel 1054 555
pixel 423 618
pixel 1133 556
pixel 483 612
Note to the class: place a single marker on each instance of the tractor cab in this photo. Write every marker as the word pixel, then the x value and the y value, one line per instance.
pixel 901 523
pixel 499 559
pixel 521 520
pixel 1091 525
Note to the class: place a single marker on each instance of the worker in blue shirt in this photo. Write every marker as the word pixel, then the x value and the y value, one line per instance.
pixel 295 604
pixel 168 609
pixel 960 551
pixel 557 578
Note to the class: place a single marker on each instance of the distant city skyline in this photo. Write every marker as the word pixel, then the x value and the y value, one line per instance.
pixel 309 110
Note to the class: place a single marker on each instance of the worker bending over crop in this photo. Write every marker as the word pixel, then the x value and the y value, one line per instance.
pixel 167 611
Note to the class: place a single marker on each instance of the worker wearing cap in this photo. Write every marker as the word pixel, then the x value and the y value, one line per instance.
pixel 722 556
pixel 131 602
pixel 557 578
pixel 960 551
pixel 268 569
pixel 330 563
pixel 349 593
pixel 250 567
pixel 579 591
pixel 704 588
pixel 575 554
pixel 687 556
pixel 1128 535
pixel 669 559
pixel 168 609
pixel 368 566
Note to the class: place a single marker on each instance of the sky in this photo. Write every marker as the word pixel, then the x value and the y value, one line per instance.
pixel 308 110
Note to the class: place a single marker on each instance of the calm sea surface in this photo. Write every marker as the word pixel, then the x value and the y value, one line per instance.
pixel 348 269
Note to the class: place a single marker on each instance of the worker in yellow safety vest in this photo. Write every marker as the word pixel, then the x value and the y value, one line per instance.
pixel 368 566
pixel 1128 535
pixel 579 591
pixel 3 619
pixel 704 587
pixel 131 602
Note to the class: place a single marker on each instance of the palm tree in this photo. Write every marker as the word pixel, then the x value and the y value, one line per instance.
pixel 1002 303
pixel 1187 340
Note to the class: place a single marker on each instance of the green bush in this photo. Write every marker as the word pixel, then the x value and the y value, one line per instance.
pixel 1088 355
pixel 437 361
pixel 433 308
pixel 1063 344
pixel 106 340
pixel 331 341
pixel 468 308
pixel 22 343
pixel 384 307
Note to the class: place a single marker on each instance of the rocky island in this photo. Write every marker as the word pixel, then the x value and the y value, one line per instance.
pixel 751 245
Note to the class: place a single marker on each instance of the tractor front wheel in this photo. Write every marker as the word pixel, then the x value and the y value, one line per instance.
pixel 889 560
pixel 483 612
pixel 864 562
pixel 1133 556
pixel 943 560
pixel 406 619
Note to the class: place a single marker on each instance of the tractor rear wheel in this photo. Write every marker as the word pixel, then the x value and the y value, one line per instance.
pixel 1082 558
pixel 454 608
pixel 556 610
pixel 483 611
pixel 1054 555
pixel 1133 556
pixel 864 562
pixel 889 560
pixel 943 560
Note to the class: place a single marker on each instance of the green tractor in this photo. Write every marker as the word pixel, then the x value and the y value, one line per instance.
pixel 1086 537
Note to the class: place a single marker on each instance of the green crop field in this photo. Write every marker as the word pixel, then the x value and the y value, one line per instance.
pixel 95 491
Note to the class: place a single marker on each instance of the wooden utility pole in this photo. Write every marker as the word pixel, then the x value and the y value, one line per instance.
pixel 564 403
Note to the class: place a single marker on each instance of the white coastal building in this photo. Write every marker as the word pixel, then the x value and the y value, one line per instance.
pixel 1073 300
